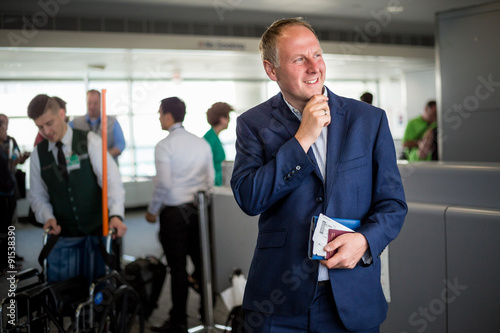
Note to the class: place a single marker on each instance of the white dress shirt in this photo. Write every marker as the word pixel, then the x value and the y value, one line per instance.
pixel 39 196
pixel 184 166
pixel 319 150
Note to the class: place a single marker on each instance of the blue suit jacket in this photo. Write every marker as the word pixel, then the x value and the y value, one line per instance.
pixel 273 177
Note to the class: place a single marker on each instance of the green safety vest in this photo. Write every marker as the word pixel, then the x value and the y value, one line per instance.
pixel 77 203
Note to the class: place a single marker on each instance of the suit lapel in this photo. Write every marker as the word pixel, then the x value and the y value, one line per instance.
pixel 283 114
pixel 337 131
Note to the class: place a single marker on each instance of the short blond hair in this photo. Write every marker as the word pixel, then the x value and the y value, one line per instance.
pixel 268 46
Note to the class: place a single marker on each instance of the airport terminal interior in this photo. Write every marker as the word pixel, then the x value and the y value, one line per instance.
pixel 439 275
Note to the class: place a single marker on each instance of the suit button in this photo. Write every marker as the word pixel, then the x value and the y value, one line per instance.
pixel 319 199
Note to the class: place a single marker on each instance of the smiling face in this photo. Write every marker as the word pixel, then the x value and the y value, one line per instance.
pixel 302 70
pixel 52 125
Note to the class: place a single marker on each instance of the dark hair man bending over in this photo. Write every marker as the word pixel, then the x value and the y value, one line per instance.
pixel 304 152
pixel 66 179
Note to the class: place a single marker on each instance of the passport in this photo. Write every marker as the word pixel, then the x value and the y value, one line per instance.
pixel 332 234
pixel 319 234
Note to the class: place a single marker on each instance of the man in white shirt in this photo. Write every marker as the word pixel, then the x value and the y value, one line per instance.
pixel 66 179
pixel 183 167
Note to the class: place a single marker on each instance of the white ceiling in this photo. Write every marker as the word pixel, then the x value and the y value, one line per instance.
pixel 48 63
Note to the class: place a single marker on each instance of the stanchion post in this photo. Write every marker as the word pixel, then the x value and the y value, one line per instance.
pixel 205 256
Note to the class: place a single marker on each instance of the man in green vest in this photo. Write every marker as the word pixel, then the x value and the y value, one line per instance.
pixel 65 190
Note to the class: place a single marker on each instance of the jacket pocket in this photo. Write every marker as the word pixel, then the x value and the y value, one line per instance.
pixel 352 164
pixel 271 238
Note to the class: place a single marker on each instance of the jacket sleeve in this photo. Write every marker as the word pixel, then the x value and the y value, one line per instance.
pixel 264 173
pixel 388 209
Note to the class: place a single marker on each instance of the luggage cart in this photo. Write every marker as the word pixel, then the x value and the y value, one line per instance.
pixel 108 305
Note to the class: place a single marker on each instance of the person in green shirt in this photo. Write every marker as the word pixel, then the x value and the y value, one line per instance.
pixel 417 127
pixel 427 147
pixel 218 118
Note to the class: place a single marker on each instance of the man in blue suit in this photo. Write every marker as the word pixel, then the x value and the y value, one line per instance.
pixel 304 152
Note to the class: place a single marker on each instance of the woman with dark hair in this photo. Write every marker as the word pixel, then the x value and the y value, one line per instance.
pixel 218 118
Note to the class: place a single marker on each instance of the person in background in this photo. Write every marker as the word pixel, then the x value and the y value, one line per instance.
pixel 66 179
pixel 427 147
pixel 417 127
pixel 218 118
pixel 92 122
pixel 10 156
pixel 303 152
pixel 38 139
pixel 184 167
pixel 367 98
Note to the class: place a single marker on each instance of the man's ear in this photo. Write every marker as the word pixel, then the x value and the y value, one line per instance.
pixel 270 70
pixel 61 113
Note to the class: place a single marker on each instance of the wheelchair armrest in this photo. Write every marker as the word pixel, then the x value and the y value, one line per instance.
pixel 27 274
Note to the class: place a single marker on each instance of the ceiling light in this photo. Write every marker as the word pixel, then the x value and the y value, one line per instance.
pixel 96 66
pixel 395 9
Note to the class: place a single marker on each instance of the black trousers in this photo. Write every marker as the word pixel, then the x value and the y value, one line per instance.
pixel 179 236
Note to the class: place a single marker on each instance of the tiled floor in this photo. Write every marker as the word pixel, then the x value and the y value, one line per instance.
pixel 140 240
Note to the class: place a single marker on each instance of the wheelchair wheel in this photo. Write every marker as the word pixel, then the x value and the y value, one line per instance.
pixel 122 313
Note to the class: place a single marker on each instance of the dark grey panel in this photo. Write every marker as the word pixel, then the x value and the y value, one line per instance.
pixel 473 136
pixel 468 46
pixel 417 271
pixel 474 269
pixel 234 238
pixel 472 184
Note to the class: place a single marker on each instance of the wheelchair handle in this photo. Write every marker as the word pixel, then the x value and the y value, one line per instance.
pixel 109 238
pixel 46 232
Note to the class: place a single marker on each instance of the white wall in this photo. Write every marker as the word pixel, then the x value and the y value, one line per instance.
pixel 420 88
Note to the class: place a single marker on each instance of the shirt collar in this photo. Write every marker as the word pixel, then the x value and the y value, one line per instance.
pixel 295 111
pixel 175 126
pixel 92 122
pixel 66 140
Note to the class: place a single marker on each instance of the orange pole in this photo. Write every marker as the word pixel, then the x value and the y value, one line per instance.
pixel 104 134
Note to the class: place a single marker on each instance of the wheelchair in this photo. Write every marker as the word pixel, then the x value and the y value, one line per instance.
pixel 109 304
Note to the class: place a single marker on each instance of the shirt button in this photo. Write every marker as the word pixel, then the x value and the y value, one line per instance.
pixel 319 199
pixel 297 167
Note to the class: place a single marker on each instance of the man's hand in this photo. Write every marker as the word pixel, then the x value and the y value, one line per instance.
pixel 350 248
pixel 23 157
pixel 52 223
pixel 315 116
pixel 117 224
pixel 150 217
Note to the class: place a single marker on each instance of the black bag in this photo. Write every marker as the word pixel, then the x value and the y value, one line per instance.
pixel 21 184
pixel 146 276
pixel 236 320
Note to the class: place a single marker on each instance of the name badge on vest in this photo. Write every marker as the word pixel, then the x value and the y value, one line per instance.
pixel 73 162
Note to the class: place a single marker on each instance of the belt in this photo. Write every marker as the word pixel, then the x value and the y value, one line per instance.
pixel 323 283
